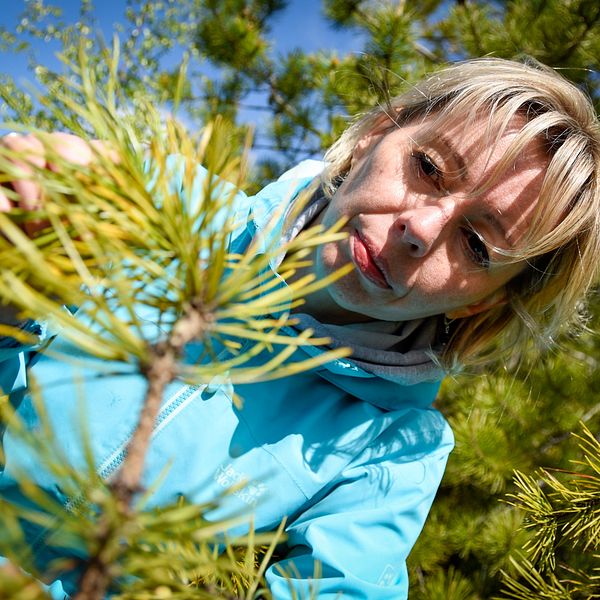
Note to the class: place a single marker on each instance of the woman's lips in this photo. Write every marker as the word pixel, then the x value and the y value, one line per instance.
pixel 364 261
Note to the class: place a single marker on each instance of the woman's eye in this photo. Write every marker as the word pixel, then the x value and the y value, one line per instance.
pixel 476 248
pixel 428 169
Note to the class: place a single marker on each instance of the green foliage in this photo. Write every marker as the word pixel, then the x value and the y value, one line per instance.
pixel 229 32
pixel 505 422
pixel 562 509
pixel 502 422
pixel 564 35
pixel 447 585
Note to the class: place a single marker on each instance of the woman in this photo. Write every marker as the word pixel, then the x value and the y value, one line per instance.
pixel 472 208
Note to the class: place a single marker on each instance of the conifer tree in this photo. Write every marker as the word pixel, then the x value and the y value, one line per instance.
pixel 120 242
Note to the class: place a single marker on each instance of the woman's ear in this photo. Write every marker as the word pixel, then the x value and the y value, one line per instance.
pixel 497 298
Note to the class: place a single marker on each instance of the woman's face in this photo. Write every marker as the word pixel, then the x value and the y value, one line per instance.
pixel 415 235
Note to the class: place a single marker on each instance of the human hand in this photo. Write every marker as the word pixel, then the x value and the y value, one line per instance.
pixel 26 155
pixel 33 155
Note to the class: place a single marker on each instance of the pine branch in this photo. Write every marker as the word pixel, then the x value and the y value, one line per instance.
pixel 162 368
pixel 97 576
pixel 576 40
pixel 120 239
pixel 565 513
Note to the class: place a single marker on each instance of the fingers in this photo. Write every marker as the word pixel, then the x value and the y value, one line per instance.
pixel 102 149
pixel 70 148
pixel 77 151
pixel 34 154
pixel 5 204
pixel 32 151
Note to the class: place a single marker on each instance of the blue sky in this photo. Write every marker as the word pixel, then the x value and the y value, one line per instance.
pixel 301 24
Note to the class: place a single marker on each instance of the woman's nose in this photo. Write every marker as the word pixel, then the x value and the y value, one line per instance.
pixel 421 227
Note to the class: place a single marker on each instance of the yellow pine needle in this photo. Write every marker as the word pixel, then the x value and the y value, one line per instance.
pixel 23 337
pixel 278 538
pixel 266 336
pixel 73 329
pixel 199 374
pixel 278 369
pixel 75 258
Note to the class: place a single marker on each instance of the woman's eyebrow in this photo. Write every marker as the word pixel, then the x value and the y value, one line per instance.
pixel 455 156
pixel 496 222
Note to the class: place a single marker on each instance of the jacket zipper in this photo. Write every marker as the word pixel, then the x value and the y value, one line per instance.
pixel 114 461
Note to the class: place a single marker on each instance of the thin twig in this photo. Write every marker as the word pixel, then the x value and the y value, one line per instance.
pixel 159 373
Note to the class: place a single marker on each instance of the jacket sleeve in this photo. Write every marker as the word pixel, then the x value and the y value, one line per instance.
pixel 355 539
pixel 15 355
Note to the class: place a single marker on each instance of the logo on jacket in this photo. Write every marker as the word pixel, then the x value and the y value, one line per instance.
pixel 388 576
pixel 228 476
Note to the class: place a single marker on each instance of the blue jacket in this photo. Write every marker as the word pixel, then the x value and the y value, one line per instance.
pixel 354 480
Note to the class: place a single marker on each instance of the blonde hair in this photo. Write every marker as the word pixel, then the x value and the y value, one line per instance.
pixel 562 245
